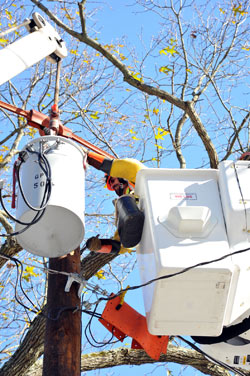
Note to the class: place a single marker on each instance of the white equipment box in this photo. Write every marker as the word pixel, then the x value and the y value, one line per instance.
pixel 185 226
pixel 234 179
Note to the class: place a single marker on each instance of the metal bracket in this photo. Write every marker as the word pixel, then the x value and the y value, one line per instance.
pixel 74 277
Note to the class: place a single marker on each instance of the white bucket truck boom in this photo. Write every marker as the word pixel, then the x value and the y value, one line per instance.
pixel 42 42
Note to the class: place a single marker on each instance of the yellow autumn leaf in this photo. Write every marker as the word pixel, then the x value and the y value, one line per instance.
pixel 165 69
pixel 159 137
pixel 8 14
pixel 171 50
pixel 100 274
pixel 32 131
pixel 135 138
pixel 94 115
pixel 136 76
pixel 28 272
pixel 69 17
pixel 3 41
pixel 160 147
pixel 155 111
pixel 68 81
pixel 237 10
pixel 172 41
pixel 109 47
pixel 74 52
pixel 188 70
pixel 162 131
pixel 27 321
pixel 122 57
pixel 245 48
pixel 4 148
pixel 168 50
pixel 132 131
pixel 4 316
pixel 163 52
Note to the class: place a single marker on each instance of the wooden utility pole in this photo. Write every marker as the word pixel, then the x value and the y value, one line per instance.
pixel 62 346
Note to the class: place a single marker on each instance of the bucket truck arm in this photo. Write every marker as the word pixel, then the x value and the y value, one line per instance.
pixel 42 42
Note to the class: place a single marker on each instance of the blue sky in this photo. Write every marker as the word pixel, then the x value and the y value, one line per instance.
pixel 118 21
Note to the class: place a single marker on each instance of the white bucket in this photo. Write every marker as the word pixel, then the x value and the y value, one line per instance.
pixel 61 229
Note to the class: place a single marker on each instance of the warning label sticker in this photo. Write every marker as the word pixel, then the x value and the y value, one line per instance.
pixel 183 196
pixel 243 359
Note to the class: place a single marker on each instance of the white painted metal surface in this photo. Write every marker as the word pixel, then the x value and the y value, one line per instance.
pixel 234 355
pixel 235 198
pixel 234 179
pixel 31 49
pixel 61 229
pixel 184 226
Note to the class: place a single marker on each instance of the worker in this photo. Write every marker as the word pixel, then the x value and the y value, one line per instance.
pixel 120 176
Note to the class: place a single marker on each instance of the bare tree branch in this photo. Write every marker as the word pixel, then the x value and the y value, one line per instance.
pixel 124 356
pixel 187 107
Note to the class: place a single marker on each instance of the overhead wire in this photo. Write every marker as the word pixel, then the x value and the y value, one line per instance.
pixel 182 271
pixel 45 199
pixel 48 185
pixel 220 363
pixel 97 315
pixel 18 282
pixel 95 343
pixel 98 344
pixel 101 291
pixel 34 309
pixel 158 279
pixel 93 314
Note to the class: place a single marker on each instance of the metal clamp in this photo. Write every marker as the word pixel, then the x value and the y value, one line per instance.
pixel 74 277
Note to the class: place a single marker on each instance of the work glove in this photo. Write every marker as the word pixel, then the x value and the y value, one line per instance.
pixel 99 162
pixel 103 245
pixel 94 243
